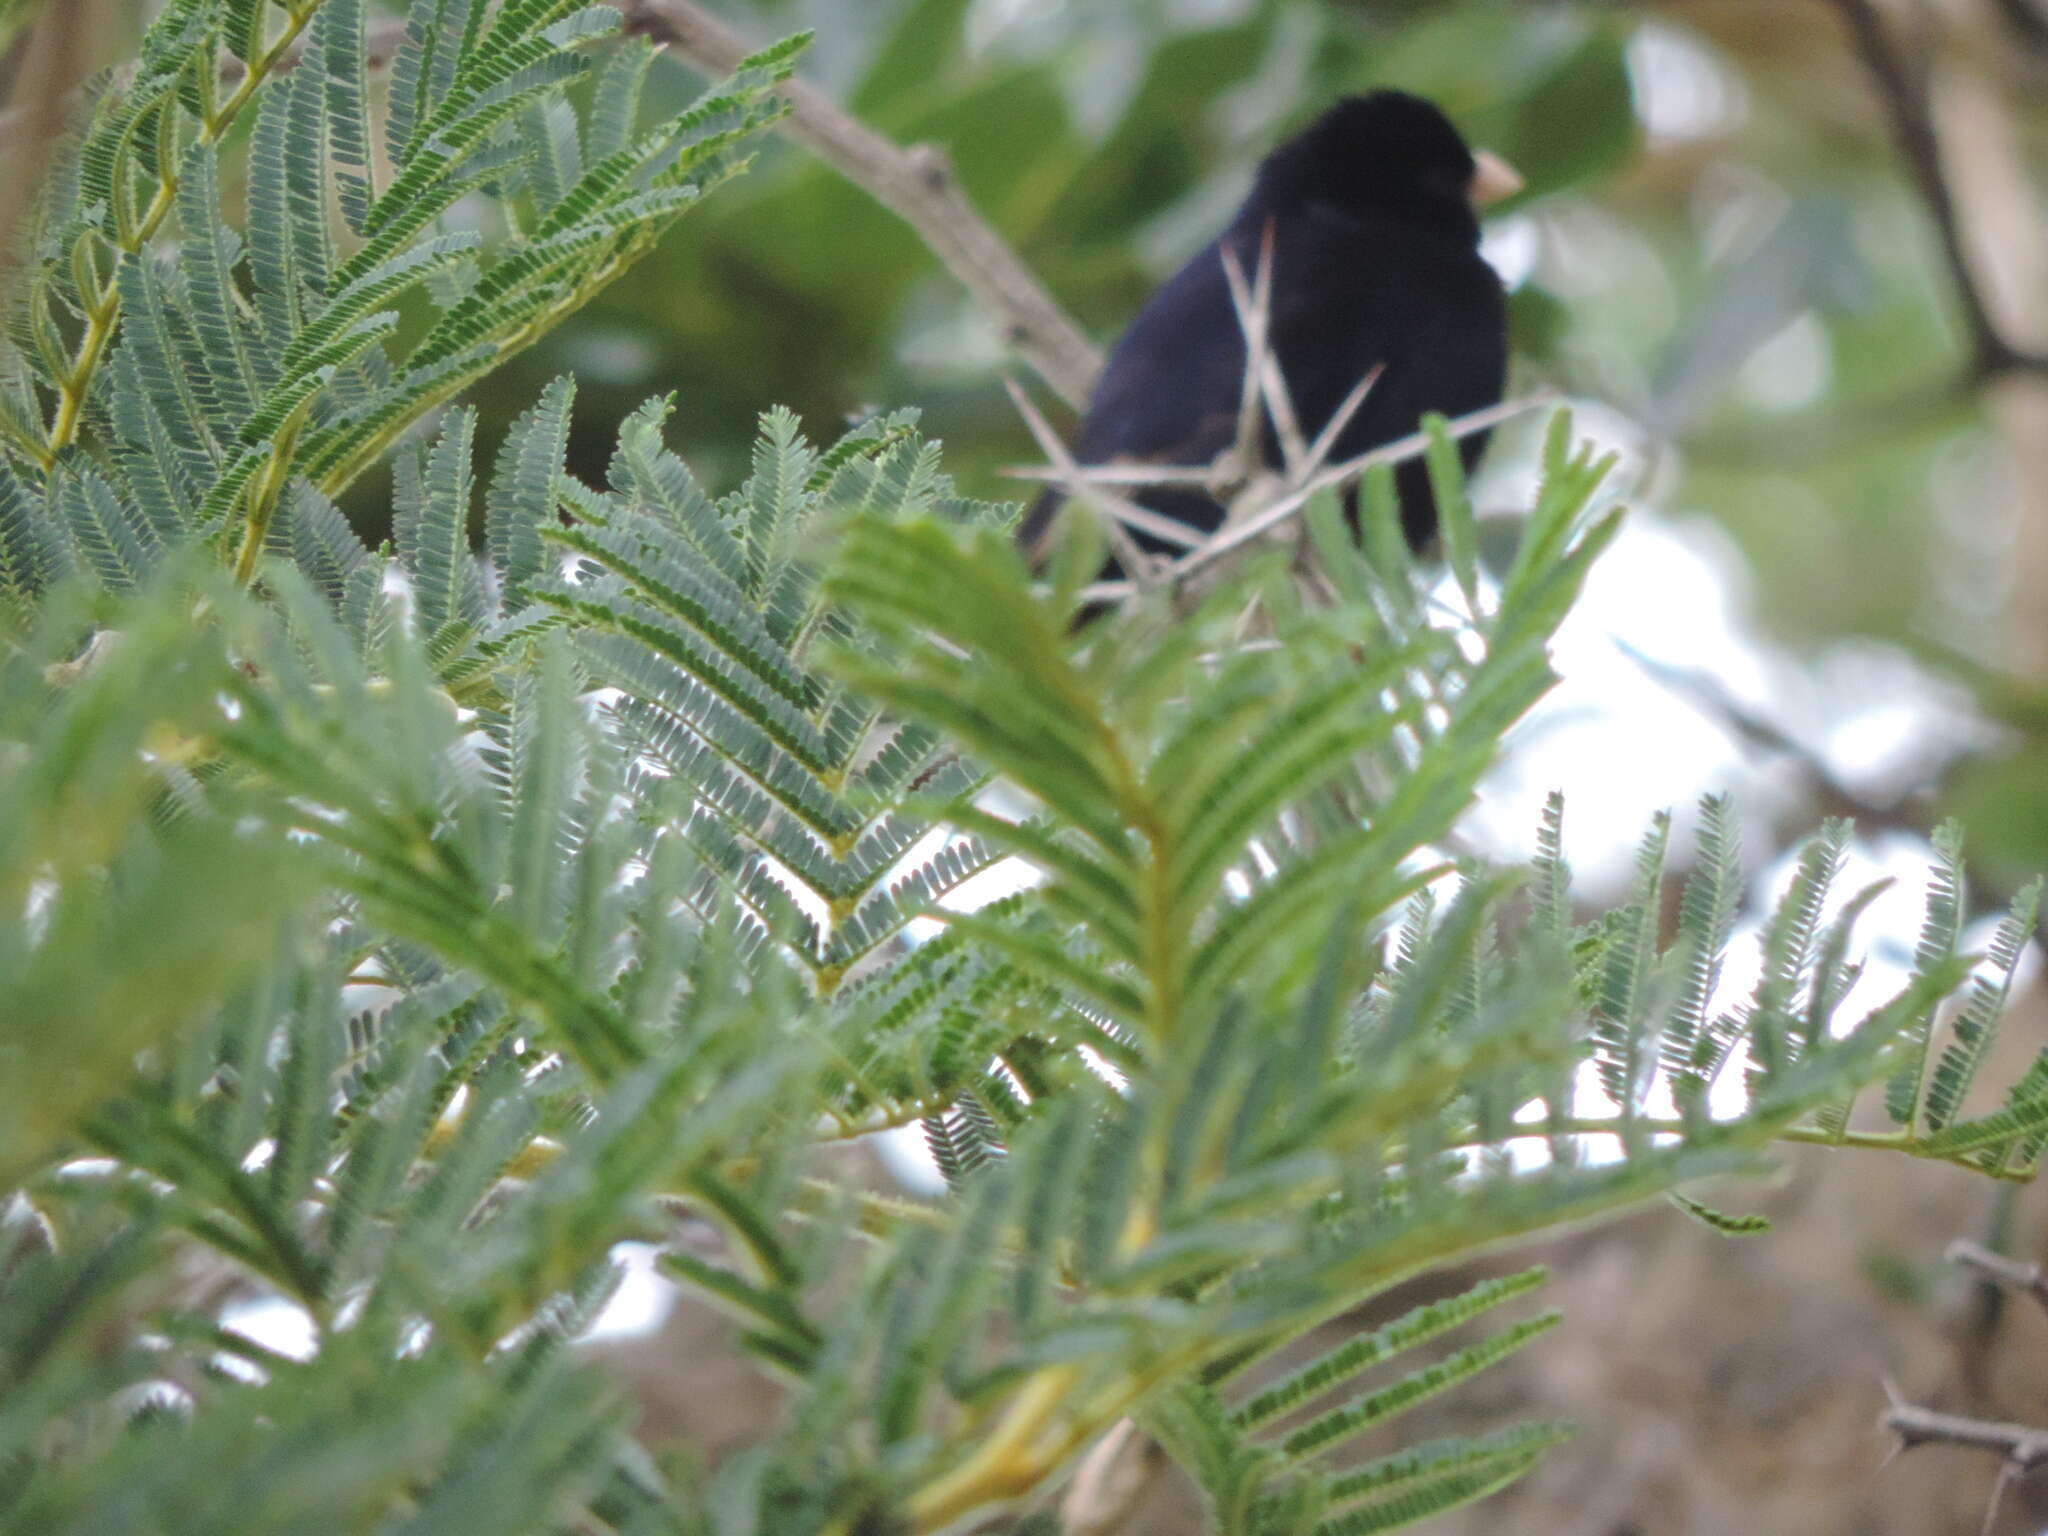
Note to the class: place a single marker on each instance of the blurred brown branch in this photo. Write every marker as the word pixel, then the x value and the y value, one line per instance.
pixel 1823 788
pixel 2016 1274
pixel 1901 84
pixel 917 184
pixel 2026 22
pixel 2022 1448
pixel 57 56
pixel 381 42
pixel 2019 1443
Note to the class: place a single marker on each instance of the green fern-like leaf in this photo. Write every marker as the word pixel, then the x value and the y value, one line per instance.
pixel 431 524
pixel 1976 1026
pixel 1411 1485
pixel 1376 1407
pixel 1937 943
pixel 1625 1016
pixel 1694 1048
pixel 32 546
pixel 1788 939
pixel 1357 1355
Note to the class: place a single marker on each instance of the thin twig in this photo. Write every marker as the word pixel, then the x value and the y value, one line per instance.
pixel 1326 440
pixel 1148 475
pixel 1272 380
pixel 2007 1476
pixel 1286 425
pixel 1204 475
pixel 1264 381
pixel 1107 592
pixel 1705 692
pixel 1110 1481
pixel 1251 320
pixel 1116 511
pixel 1092 479
pixel 1904 96
pixel 1231 535
pixel 917 184
pixel 2014 1273
pixel 2020 1446
pixel 2022 1449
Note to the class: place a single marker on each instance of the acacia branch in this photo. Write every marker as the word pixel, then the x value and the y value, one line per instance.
pixel 916 184
pixel 2025 1447
pixel 1119 514
pixel 1703 690
pixel 2016 1274
pixel 2021 1448
pixel 1902 90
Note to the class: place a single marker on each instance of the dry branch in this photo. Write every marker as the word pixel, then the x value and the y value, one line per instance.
pixel 1902 89
pixel 1234 534
pixel 2016 1274
pixel 2020 1444
pixel 2021 1449
pixel 1118 514
pixel 917 184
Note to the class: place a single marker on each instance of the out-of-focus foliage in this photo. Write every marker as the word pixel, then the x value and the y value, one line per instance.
pixel 1106 141
pixel 644 950
pixel 1677 218
pixel 1718 247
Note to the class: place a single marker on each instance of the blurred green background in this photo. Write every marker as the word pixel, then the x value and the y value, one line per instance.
pixel 1720 259
pixel 1719 256
pixel 1720 245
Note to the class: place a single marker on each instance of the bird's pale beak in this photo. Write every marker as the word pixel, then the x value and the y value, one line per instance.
pixel 1492 179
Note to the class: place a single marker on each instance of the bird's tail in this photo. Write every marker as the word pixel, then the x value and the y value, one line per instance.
pixel 1034 534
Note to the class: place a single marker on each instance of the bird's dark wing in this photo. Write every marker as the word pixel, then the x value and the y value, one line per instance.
pixel 1170 389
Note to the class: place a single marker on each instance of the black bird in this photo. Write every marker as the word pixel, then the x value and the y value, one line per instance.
pixel 1375 262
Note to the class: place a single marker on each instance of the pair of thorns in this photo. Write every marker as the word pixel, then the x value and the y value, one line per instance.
pixel 1257 502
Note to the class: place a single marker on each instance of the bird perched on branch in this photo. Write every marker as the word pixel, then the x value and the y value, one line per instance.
pixel 1372 217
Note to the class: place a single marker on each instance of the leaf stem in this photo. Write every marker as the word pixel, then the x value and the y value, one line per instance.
pixel 264 494
pixel 102 316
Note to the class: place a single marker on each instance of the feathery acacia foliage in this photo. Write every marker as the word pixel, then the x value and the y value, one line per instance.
pixel 210 371
pixel 483 984
pixel 396 932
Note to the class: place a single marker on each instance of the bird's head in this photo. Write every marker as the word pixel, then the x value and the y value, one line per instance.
pixel 1386 152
